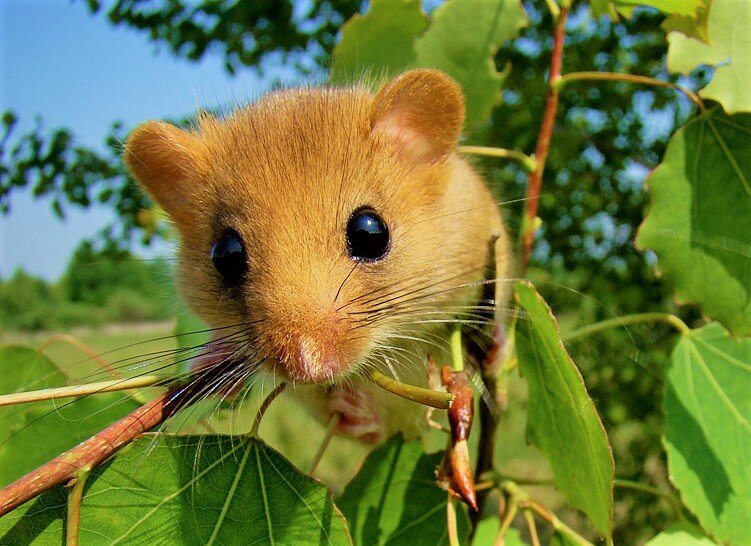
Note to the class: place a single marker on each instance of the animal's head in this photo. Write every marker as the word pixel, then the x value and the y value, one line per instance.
pixel 313 220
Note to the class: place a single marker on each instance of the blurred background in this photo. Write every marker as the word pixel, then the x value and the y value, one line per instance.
pixel 83 252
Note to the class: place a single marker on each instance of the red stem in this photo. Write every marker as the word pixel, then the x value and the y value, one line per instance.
pixel 90 453
pixel 543 139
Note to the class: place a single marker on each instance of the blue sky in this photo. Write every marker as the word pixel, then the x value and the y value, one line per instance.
pixel 75 70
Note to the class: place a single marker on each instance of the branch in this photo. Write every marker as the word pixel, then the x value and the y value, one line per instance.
pixel 618 322
pixel 264 406
pixel 534 182
pixel 92 452
pixel 527 162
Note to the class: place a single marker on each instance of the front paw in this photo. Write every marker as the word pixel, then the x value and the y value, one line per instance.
pixel 358 417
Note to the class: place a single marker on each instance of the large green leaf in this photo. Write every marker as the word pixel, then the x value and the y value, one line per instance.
pixel 729 49
pixel 708 437
pixel 190 490
pixel 22 369
pixel 32 434
pixel 563 421
pixel 700 220
pixel 462 40
pixel 379 43
pixel 681 534
pixel 394 498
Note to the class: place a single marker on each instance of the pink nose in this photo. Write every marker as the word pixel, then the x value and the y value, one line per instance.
pixel 311 363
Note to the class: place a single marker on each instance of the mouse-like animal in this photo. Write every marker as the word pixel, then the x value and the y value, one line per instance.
pixel 325 232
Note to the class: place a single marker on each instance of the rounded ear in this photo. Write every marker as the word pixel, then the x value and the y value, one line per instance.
pixel 167 162
pixel 422 113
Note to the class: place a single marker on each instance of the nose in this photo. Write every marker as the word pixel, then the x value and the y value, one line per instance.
pixel 314 361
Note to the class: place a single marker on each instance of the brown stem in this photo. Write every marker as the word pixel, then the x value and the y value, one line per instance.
pixel 264 406
pixel 534 182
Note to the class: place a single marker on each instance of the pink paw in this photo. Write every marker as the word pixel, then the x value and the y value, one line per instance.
pixel 358 418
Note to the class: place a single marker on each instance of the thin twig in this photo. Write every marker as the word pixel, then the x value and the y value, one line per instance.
pixel 75 497
pixel 644 488
pixel 625 320
pixel 76 391
pixel 427 397
pixel 328 435
pixel 81 346
pixel 529 518
pixel 534 182
pixel 630 78
pixel 264 406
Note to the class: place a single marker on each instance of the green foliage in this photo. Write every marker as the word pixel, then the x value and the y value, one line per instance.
pixel 701 216
pixel 708 436
pixel 681 534
pixel 219 489
pixel 729 47
pixel 394 499
pixel 562 420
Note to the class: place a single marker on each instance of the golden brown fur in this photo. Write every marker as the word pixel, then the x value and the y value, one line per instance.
pixel 286 173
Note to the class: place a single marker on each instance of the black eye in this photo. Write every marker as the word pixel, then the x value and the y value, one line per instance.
pixel 367 236
pixel 228 257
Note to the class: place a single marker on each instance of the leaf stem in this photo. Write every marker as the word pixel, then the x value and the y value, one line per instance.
pixel 265 406
pixel 75 497
pixel 534 181
pixel 427 397
pixel 328 435
pixel 80 390
pixel 644 488
pixel 629 78
pixel 529 518
pixel 453 532
pixel 617 322
pixel 528 162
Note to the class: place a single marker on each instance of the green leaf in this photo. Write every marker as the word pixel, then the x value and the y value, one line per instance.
pixel 563 421
pixel 487 531
pixel 462 40
pixel 681 534
pixel 729 49
pixel 708 436
pixel 23 369
pixel 694 26
pixel 700 220
pixel 394 498
pixel 379 43
pixel 679 7
pixel 32 434
pixel 190 490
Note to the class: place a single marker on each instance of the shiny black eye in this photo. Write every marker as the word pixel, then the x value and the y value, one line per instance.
pixel 367 236
pixel 228 257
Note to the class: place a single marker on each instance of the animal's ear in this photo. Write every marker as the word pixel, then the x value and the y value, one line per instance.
pixel 167 162
pixel 422 113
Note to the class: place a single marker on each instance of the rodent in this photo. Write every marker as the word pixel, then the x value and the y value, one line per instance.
pixel 333 230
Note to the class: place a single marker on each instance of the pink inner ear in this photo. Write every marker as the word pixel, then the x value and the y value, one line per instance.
pixel 411 143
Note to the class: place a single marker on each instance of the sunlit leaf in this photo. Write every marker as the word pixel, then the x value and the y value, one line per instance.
pixel 190 490
pixel 462 40
pixel 379 43
pixel 486 533
pixel 394 498
pixel 700 220
pixel 563 421
pixel 708 437
pixel 729 49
